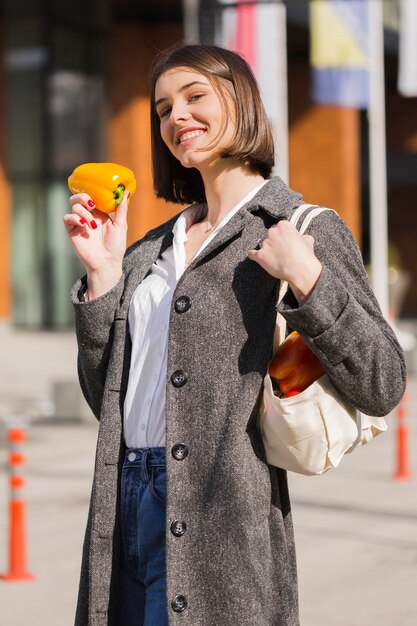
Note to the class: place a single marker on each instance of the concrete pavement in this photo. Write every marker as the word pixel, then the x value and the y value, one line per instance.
pixel 356 528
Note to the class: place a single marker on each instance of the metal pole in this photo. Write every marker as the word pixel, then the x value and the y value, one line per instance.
pixel 190 9
pixel 377 157
pixel 272 77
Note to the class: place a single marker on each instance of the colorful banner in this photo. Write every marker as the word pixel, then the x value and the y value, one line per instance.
pixel 339 52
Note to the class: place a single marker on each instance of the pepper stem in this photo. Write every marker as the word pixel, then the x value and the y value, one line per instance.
pixel 118 194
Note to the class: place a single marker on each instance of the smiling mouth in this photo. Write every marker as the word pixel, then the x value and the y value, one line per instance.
pixel 190 135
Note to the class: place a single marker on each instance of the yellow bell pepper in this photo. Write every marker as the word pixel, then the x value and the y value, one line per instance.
pixel 105 183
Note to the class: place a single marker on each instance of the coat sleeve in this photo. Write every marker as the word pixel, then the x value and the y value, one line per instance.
pixel 94 324
pixel 343 324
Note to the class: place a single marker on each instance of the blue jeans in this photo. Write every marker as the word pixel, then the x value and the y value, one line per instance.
pixel 142 593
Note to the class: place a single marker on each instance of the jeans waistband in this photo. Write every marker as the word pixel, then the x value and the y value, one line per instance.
pixel 145 456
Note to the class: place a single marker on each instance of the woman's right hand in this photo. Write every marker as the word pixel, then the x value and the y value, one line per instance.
pixel 99 241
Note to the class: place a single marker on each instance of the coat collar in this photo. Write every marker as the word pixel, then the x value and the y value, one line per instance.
pixel 275 198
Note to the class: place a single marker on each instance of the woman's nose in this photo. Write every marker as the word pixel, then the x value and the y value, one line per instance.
pixel 179 114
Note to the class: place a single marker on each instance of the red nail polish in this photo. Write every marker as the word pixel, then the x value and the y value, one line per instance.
pixel 93 224
pixel 83 220
pixel 90 203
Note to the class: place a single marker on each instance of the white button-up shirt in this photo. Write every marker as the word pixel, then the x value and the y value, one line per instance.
pixel 149 312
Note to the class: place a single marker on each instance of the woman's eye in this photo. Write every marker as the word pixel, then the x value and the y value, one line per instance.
pixel 164 113
pixel 195 97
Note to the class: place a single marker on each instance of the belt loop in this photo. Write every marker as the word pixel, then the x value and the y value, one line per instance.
pixel 144 475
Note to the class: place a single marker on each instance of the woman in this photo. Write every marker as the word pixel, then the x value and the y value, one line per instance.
pixel 175 336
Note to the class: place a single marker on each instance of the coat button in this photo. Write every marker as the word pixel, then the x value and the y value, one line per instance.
pixel 179 378
pixel 179 451
pixel 182 304
pixel 178 528
pixel 179 603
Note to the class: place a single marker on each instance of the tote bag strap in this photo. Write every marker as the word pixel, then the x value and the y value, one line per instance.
pixel 281 329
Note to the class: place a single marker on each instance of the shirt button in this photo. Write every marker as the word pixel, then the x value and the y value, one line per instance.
pixel 182 304
pixel 179 451
pixel 163 326
pixel 179 378
pixel 131 456
pixel 178 528
pixel 179 603
pixel 143 426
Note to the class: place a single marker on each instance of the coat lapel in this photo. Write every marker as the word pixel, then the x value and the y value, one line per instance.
pixel 229 231
pixel 140 261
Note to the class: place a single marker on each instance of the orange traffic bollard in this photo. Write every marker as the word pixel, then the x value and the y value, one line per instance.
pixel 403 470
pixel 18 570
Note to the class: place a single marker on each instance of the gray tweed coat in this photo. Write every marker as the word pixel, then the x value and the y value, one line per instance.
pixel 236 562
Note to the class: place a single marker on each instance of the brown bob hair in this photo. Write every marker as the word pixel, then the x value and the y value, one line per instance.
pixel 252 144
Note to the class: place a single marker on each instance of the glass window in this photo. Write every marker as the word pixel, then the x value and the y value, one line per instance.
pixel 56 119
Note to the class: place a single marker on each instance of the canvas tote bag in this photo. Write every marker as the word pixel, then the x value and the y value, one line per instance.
pixel 309 433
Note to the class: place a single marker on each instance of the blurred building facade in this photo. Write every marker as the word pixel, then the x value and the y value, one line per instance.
pixel 74 88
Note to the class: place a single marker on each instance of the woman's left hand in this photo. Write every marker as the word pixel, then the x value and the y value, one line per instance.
pixel 287 255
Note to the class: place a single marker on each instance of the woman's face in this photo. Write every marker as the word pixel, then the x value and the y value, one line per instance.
pixel 192 116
